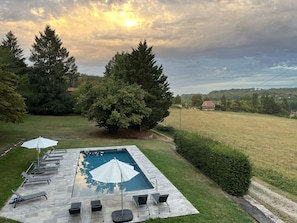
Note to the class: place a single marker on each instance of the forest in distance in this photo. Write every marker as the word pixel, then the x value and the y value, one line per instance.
pixel 279 94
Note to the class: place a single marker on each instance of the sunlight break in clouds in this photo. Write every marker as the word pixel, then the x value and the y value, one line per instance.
pixel 249 37
pixel 37 11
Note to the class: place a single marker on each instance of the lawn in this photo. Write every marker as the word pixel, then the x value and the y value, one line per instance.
pixel 75 132
pixel 269 141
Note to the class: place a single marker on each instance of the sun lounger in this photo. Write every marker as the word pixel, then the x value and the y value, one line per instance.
pixel 44 170
pixel 96 207
pixel 29 179
pixel 43 161
pixel 57 151
pixel 160 199
pixel 21 198
pixel 54 167
pixel 140 201
pixel 48 156
pixel 45 164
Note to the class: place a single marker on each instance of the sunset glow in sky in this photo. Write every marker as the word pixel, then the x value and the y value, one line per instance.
pixel 202 45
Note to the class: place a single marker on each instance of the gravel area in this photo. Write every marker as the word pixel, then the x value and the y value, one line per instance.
pixel 270 200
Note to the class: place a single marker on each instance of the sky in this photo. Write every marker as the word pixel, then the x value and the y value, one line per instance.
pixel 202 45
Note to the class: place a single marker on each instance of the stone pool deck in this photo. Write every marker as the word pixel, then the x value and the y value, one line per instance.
pixel 59 191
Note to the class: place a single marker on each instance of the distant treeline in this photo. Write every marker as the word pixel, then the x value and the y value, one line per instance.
pixel 280 101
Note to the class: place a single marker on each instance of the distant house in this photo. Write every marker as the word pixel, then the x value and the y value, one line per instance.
pixel 208 106
pixel 71 89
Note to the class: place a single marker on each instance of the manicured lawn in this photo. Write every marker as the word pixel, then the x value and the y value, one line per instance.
pixel 76 132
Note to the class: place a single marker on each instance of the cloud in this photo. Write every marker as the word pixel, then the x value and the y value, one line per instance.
pixel 208 41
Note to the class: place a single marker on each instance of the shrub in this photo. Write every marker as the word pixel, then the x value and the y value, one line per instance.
pixel 166 129
pixel 228 167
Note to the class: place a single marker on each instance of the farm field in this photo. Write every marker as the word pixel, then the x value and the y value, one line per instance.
pixel 269 141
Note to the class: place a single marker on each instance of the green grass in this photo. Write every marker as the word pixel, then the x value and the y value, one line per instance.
pixel 46 126
pixel 75 132
pixel 277 179
pixel 269 141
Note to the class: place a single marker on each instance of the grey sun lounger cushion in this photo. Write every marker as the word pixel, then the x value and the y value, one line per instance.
pixel 29 179
pixel 20 198
pixel 160 199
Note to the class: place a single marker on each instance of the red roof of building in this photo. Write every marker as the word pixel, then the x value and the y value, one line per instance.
pixel 208 104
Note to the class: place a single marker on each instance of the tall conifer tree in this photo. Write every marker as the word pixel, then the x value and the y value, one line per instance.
pixel 139 67
pixel 11 43
pixel 52 66
pixel 145 72
pixel 16 61
pixel 12 104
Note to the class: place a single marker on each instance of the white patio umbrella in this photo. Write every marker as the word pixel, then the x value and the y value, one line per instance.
pixel 39 143
pixel 116 171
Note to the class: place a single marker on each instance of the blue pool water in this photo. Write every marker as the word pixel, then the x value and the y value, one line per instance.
pixel 88 160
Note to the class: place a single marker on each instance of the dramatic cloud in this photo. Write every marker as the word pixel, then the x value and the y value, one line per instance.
pixel 203 45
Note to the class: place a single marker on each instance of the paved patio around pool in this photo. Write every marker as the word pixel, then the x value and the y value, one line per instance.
pixel 59 191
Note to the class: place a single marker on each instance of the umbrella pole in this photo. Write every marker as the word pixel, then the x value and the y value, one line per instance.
pixel 122 194
pixel 122 203
pixel 37 156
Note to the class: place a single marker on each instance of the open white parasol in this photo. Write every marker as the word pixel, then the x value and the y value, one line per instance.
pixel 116 171
pixel 39 143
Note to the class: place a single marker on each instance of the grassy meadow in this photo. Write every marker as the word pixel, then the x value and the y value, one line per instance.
pixel 76 132
pixel 269 141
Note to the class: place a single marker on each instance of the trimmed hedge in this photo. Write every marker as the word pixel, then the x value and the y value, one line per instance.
pixel 228 167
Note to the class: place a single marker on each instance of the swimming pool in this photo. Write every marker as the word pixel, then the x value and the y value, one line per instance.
pixel 88 160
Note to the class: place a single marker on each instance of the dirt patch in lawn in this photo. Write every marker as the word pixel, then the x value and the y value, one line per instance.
pixel 135 134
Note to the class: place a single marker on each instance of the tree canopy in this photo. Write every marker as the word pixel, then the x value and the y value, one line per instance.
pixel 113 104
pixel 177 100
pixel 139 67
pixel 11 43
pixel 14 60
pixel 197 100
pixel 12 105
pixel 52 67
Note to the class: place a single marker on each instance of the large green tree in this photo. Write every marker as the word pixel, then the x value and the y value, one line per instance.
pixel 12 105
pixel 139 67
pixel 112 103
pixel 255 102
pixel 177 100
pixel 15 61
pixel 285 107
pixel 52 67
pixel 11 42
pixel 269 105
pixel 118 66
pixel 223 103
pixel 197 100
